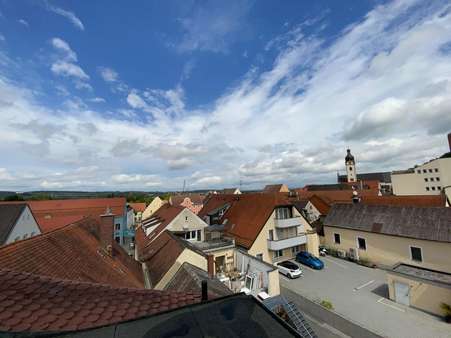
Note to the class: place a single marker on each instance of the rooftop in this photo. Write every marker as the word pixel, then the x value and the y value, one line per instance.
pixel 427 223
pixel 138 207
pixel 423 274
pixel 194 197
pixel 35 303
pixel 73 252
pixel 161 219
pixel 9 215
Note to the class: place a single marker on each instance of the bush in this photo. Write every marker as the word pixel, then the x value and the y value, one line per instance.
pixel 327 304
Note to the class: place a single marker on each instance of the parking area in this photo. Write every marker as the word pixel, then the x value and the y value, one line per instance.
pixel 360 294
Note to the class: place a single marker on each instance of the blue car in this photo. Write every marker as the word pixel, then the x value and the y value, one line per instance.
pixel 308 259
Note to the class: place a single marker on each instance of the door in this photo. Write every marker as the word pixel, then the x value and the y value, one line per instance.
pixel 402 293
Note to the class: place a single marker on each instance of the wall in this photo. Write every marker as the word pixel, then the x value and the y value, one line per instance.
pixel 389 250
pixel 424 296
pixel 229 255
pixel 187 255
pixel 156 204
pixel 188 219
pixel 414 183
pixel 25 225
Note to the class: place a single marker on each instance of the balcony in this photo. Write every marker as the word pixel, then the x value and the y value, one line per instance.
pixel 286 243
pixel 287 222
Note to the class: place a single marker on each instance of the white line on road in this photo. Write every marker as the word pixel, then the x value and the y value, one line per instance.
pixel 363 285
pixel 331 261
pixel 381 301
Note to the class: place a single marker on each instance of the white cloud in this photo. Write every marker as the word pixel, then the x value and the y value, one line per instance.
pixel 5 175
pixel 68 69
pixel 136 179
pixel 108 74
pixel 68 15
pixel 98 100
pixel 135 101
pixel 64 47
pixel 23 22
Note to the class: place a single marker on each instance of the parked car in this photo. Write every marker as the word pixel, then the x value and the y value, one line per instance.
pixel 308 259
pixel 289 269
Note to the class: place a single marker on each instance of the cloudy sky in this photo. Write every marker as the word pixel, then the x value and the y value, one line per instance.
pixel 142 95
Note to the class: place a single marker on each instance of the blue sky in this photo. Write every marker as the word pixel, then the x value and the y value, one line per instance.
pixel 143 95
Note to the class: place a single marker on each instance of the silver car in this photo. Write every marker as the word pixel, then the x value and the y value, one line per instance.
pixel 289 269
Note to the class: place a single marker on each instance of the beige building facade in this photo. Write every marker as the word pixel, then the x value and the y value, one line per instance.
pixel 282 238
pixel 156 204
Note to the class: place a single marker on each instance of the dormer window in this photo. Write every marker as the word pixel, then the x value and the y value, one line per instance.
pixel 283 213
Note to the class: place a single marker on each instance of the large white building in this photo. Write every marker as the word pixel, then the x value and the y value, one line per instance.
pixel 430 178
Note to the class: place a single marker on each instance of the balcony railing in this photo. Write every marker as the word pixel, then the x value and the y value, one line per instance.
pixel 286 243
pixel 287 222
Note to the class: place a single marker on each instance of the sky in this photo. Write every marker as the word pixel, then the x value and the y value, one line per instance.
pixel 147 95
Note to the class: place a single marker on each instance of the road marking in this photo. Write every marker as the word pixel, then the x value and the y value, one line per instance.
pixel 381 301
pixel 363 285
pixel 331 261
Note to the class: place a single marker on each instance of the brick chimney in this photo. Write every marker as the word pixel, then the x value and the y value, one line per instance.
pixel 106 231
pixel 449 141
pixel 211 265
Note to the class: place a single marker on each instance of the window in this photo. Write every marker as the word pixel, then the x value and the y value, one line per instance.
pixel 295 249
pixel 424 171
pixel 118 239
pixel 427 188
pixel 283 213
pixel 432 179
pixel 199 235
pixel 271 235
pixel 436 170
pixel 117 226
pixel 278 253
pixel 437 179
pixel 419 171
pixel 193 234
pixel 433 188
pixel 188 235
pixel 350 168
pixel 260 256
pixel 425 179
pixel 186 218
pixel 362 243
pixel 439 187
pixel 416 254
pixel 337 239
pixel 430 170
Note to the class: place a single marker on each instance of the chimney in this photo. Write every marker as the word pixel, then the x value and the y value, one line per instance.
pixel 211 266
pixel 106 231
pixel 449 141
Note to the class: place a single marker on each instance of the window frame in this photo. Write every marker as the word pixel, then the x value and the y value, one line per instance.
pixel 335 238
pixel 421 253
pixel 358 243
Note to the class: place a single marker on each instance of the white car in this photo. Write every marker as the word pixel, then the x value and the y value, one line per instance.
pixel 289 269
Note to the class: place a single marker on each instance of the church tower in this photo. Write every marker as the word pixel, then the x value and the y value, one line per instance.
pixel 350 167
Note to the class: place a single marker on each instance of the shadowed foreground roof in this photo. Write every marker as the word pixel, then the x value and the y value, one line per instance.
pixel 233 316
pixel 35 303
pixel 414 222
pixel 73 252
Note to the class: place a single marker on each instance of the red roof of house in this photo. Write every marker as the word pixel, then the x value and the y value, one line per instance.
pixel 321 205
pixel 163 216
pixel 73 252
pixel 54 214
pixel 247 213
pixel 195 198
pixel 274 188
pixel 334 196
pixel 408 201
pixel 138 207
pixel 35 303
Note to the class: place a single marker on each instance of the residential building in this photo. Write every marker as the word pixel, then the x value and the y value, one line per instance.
pixel 156 204
pixel 414 242
pixel 138 209
pixel 17 222
pixel 192 201
pixel 81 251
pixel 430 178
pixel 130 217
pixel 382 180
pixel 267 226
pixel 230 191
pixel 275 188
pixel 177 219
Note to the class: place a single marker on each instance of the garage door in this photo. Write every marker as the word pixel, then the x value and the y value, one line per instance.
pixel 402 293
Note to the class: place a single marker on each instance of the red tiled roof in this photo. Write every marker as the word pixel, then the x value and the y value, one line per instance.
pixel 322 206
pixel 73 252
pixel 334 196
pixel 408 201
pixel 274 188
pixel 247 213
pixel 195 198
pixel 164 215
pixel 138 207
pixel 35 303
pixel 54 214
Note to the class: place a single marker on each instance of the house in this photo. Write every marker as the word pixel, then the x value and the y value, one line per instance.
pixel 430 178
pixel 163 257
pixel 16 222
pixel 138 209
pixel 230 191
pixel 274 188
pixel 156 204
pixel 413 242
pixel 192 201
pixel 176 219
pixel 53 214
pixel 83 251
pixel 267 226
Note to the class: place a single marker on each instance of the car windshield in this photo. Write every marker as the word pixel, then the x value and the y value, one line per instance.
pixel 289 265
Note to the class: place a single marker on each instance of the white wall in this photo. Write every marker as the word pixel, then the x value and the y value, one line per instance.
pixel 25 227
pixel 187 221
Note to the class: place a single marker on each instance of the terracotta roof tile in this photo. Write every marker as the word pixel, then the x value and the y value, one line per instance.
pixel 163 216
pixel 97 300
pixel 73 252
pixel 138 207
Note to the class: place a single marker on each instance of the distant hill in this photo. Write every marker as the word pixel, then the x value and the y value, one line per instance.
pixel 4 194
